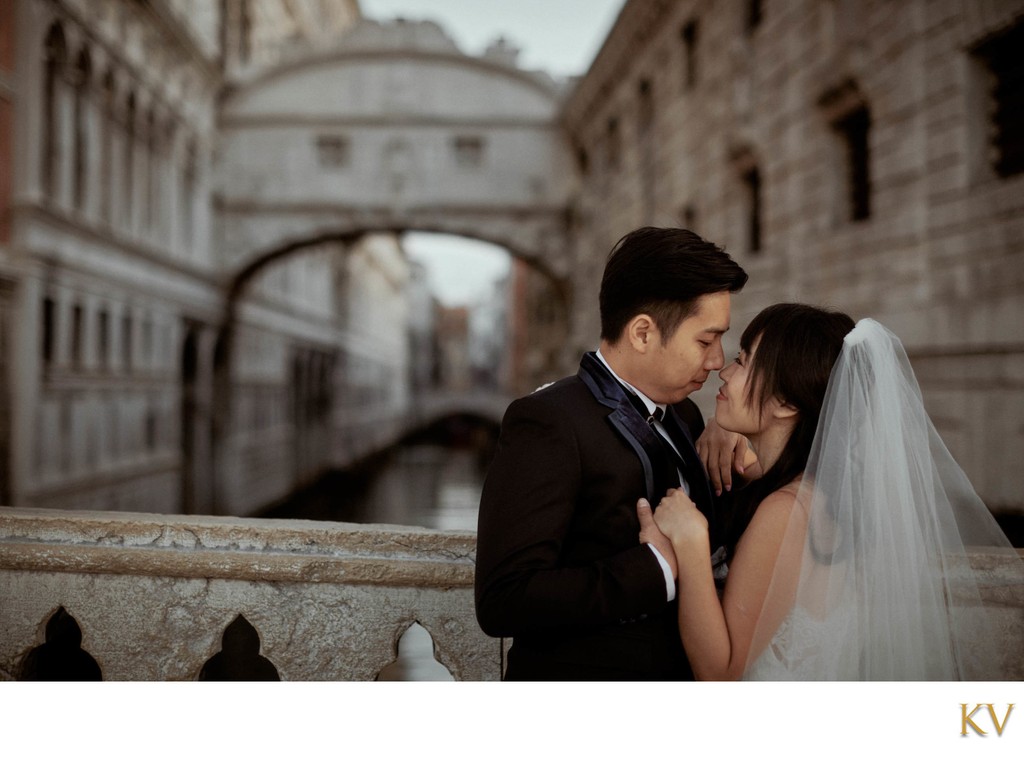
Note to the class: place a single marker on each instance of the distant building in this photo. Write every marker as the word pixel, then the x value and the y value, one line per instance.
pixel 453 341
pixel 424 358
pixel 489 337
pixel 861 154
pixel 113 294
pixel 8 276
pixel 259 34
pixel 538 316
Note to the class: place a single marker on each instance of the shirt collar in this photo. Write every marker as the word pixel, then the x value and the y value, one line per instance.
pixel 651 405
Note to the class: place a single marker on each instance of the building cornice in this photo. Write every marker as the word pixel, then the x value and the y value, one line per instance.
pixel 539 81
pixel 636 23
pixel 304 121
pixel 23 213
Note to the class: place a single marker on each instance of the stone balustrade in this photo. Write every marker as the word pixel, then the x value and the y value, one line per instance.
pixel 153 594
pixel 159 597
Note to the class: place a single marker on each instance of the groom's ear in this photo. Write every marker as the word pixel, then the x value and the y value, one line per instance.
pixel 640 332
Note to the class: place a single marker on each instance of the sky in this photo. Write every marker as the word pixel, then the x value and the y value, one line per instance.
pixel 558 36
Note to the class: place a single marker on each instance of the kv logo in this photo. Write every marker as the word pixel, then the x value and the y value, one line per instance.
pixel 967 720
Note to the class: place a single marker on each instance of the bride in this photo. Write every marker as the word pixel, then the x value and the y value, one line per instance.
pixel 849 555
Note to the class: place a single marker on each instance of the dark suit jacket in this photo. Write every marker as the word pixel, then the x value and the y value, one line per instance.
pixel 559 565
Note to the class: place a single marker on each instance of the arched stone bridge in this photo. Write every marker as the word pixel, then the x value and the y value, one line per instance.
pixel 394 129
pixel 488 406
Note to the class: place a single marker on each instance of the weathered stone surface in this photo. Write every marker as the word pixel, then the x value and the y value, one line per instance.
pixel 153 595
pixel 940 258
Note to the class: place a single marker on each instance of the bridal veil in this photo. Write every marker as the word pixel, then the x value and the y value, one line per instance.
pixel 892 564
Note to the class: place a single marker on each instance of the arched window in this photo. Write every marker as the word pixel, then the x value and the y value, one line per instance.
pixel 128 164
pixel 83 84
pixel 164 183
pixel 56 60
pixel 106 162
pixel 188 193
pixel 151 171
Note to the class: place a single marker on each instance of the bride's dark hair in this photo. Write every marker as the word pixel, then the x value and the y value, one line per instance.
pixel 797 346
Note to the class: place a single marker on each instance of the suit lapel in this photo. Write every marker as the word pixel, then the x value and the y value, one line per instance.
pixel 625 419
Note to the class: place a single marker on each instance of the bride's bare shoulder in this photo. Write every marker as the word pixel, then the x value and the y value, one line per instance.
pixel 774 513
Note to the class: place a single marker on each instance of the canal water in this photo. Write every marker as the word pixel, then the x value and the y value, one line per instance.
pixel 434 481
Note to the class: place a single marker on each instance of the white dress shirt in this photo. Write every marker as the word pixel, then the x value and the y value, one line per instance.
pixel 670 584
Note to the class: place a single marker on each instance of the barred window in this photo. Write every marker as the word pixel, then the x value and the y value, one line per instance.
pixel 849 116
pixel 1001 56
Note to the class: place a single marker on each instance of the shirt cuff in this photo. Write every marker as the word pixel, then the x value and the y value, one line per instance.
pixel 670 584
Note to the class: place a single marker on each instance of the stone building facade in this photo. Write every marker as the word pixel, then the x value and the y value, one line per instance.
pixel 321 355
pixel 207 303
pixel 110 228
pixel 115 290
pixel 859 154
pixel 7 276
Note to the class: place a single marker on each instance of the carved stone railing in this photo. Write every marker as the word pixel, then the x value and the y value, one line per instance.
pixel 154 596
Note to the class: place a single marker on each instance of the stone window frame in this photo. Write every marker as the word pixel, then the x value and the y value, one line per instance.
pixel 747 171
pixel 996 61
pixel 333 151
pixel 55 73
pixel 77 348
pixel 127 340
pixel 753 16
pixel 847 113
pixel 613 144
pixel 469 150
pixel 688 215
pixel 689 37
pixel 128 147
pixel 48 330
pixel 107 143
pixel 103 325
pixel 83 94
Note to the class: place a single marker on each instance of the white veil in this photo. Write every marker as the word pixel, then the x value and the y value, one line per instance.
pixel 875 580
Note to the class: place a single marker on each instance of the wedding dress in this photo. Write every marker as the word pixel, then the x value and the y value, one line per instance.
pixel 880 575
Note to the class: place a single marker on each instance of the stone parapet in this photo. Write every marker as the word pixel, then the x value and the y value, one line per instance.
pixel 153 595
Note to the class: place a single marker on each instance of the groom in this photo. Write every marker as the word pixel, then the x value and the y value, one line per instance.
pixel 559 566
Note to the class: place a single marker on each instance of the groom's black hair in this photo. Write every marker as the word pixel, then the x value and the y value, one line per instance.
pixel 662 272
